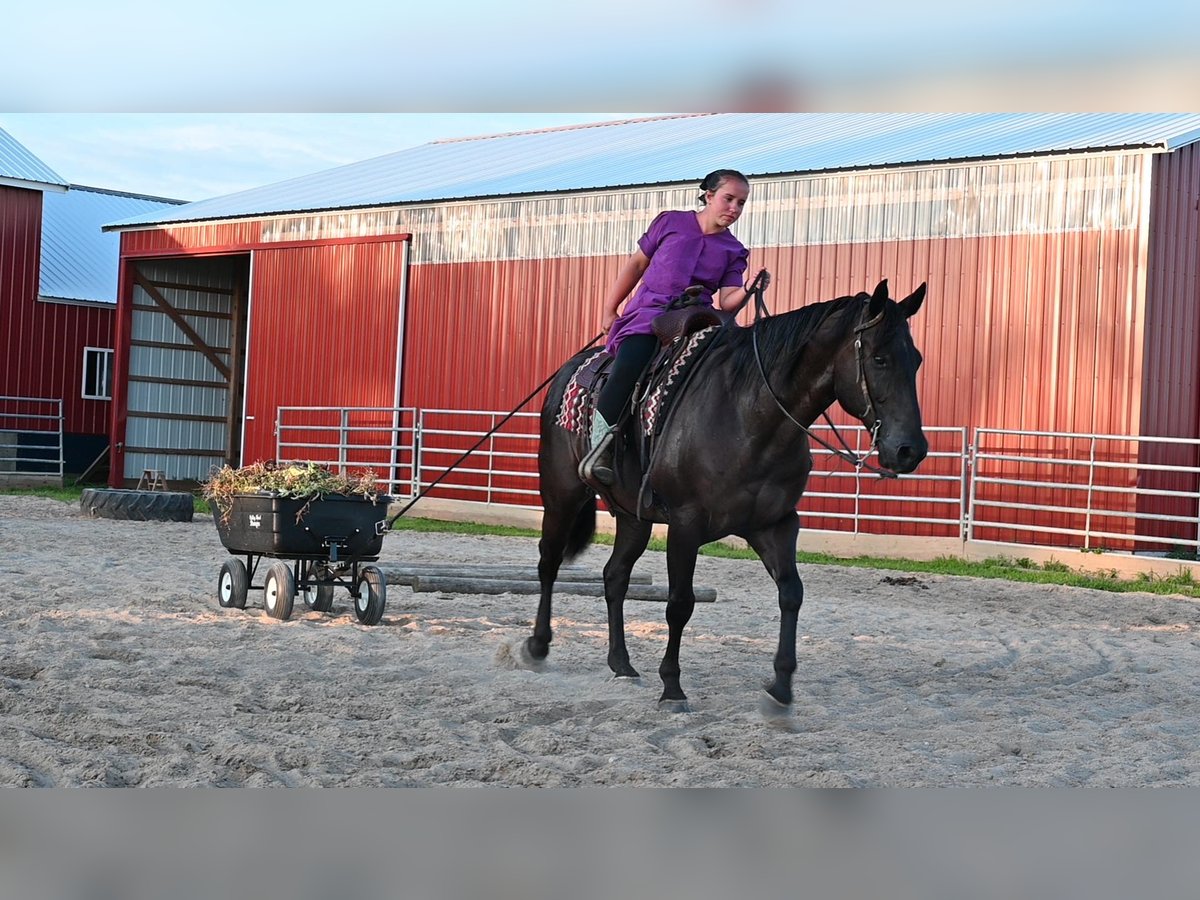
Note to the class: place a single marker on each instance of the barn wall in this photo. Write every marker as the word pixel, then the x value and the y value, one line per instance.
pixel 323 330
pixel 1170 381
pixel 1034 318
pixel 171 412
pixel 324 326
pixel 41 343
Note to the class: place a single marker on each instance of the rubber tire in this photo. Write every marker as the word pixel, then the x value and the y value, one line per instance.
pixel 233 585
pixel 318 597
pixel 137 506
pixel 372 595
pixel 279 591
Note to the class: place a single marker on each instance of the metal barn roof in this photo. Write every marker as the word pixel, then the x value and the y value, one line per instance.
pixel 79 261
pixel 20 168
pixel 678 149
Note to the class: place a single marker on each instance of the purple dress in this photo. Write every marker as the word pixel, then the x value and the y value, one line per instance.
pixel 680 255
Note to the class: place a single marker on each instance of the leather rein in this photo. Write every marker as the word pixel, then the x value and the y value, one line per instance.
pixel 844 452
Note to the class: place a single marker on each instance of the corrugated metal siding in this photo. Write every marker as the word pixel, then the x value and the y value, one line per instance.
pixel 1034 318
pixel 323 332
pixel 1039 196
pixel 1020 329
pixel 18 164
pixel 41 344
pixel 227 237
pixel 681 149
pixel 79 261
pixel 177 400
pixel 1171 392
pixel 1030 321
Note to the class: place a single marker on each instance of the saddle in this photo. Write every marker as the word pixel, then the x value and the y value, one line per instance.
pixel 683 330
pixel 689 312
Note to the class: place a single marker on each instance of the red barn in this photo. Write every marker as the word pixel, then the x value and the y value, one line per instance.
pixel 58 291
pixel 1060 253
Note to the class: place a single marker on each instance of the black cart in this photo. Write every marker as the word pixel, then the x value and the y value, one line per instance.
pixel 321 543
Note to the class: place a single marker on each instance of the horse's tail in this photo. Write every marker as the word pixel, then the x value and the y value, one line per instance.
pixel 583 529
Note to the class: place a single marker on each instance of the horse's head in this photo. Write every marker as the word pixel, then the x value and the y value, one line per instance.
pixel 875 378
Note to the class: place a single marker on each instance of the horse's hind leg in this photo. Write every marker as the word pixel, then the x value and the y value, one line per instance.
pixel 630 543
pixel 568 523
pixel 776 546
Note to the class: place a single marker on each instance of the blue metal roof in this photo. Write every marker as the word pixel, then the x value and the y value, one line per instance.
pixel 79 261
pixel 21 168
pixel 679 149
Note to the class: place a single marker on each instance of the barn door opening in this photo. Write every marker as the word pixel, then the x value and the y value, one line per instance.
pixel 186 366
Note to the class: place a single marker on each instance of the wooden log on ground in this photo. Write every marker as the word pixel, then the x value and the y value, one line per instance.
pixel 462 585
pixel 404 574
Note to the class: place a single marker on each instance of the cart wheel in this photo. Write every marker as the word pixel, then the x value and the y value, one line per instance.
pixel 279 591
pixel 232 585
pixel 372 595
pixel 319 597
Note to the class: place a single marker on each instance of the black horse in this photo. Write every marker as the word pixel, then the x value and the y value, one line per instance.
pixel 733 461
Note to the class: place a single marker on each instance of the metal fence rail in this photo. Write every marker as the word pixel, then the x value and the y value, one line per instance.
pixel 502 470
pixel 1034 488
pixel 31 436
pixel 935 496
pixel 383 440
pixel 1089 491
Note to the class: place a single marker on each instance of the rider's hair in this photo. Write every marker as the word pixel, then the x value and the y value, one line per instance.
pixel 715 179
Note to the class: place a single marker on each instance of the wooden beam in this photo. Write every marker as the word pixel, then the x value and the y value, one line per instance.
pixel 175 451
pixel 426 584
pixel 168 345
pixel 196 288
pixel 185 382
pixel 405 574
pixel 177 417
pixel 194 313
pixel 173 314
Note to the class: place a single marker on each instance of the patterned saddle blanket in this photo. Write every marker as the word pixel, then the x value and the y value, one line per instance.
pixel 667 372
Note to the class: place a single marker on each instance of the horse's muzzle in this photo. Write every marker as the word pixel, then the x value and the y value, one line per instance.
pixel 904 457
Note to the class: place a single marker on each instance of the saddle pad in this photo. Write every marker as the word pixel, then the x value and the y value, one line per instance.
pixel 575 412
pixel 658 401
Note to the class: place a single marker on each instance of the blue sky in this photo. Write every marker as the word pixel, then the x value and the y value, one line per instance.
pixel 121 94
pixel 453 56
pixel 192 156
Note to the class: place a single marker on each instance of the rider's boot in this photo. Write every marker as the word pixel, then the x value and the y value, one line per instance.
pixel 597 464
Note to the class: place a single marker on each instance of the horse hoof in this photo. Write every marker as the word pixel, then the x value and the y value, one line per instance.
pixel 528 660
pixel 772 710
pixel 673 706
pixel 517 656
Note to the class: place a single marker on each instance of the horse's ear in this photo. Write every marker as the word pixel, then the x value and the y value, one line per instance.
pixel 910 304
pixel 878 299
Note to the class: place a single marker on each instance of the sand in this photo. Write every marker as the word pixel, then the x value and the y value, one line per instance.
pixel 120 669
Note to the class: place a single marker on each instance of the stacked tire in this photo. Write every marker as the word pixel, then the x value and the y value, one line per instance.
pixel 137 506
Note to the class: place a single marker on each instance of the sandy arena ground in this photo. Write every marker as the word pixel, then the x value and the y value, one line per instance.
pixel 120 669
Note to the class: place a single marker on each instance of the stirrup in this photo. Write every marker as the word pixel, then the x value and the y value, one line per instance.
pixel 596 466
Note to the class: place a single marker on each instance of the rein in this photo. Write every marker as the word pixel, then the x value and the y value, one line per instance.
pixel 844 452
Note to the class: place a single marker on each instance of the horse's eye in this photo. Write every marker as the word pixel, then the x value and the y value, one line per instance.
pixel 879 360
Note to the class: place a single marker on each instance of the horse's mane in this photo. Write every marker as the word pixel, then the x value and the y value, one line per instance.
pixel 783 338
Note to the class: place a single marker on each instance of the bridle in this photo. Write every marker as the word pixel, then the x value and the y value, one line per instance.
pixel 844 452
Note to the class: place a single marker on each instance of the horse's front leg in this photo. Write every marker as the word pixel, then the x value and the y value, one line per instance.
pixel 681 603
pixel 776 546
pixel 628 546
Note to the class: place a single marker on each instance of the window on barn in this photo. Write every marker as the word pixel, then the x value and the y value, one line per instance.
pixel 97 373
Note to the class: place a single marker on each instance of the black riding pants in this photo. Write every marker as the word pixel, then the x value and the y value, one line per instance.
pixel 633 355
